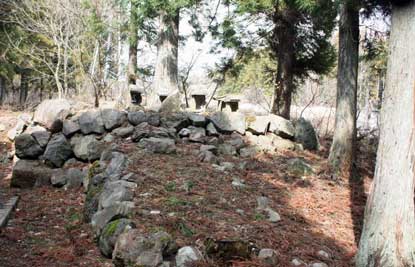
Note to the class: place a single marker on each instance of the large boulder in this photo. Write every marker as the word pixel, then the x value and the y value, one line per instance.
pixel 80 145
pixel 259 124
pixel 138 117
pixel 306 135
pixel 113 118
pixel 91 122
pixel 281 127
pixel 197 120
pixel 228 122
pixel 41 135
pixel 124 132
pixel 58 151
pixel 52 110
pixel 158 145
pixel 135 249
pixel 145 130
pixel 28 173
pixel 110 234
pixel 172 103
pixel 177 121
pixel 115 193
pixel 27 147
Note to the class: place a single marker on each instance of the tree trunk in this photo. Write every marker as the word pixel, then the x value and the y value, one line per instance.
pixel 24 87
pixel 166 71
pixel 388 237
pixel 342 148
pixel 133 41
pixel 283 47
pixel 2 90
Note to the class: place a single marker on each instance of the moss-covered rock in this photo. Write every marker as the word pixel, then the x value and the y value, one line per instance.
pixel 110 235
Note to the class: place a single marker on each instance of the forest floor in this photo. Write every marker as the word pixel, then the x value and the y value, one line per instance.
pixel 195 201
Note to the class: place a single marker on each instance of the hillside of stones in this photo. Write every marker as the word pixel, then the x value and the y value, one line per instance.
pixel 186 189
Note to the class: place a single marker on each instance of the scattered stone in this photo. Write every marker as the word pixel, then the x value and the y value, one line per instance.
pixel 110 234
pixel 58 151
pixel 70 127
pixel 298 167
pixel 27 147
pixel 263 203
pixel 113 118
pixel 207 157
pixel 296 262
pixel 210 148
pixel 228 249
pixel 187 255
pixel 228 122
pixel 268 256
pixel 197 135
pixel 238 183
pixel 227 150
pixel 51 111
pixel 236 140
pixel 135 249
pixel 158 145
pixel 116 211
pixel 281 127
pixel 123 132
pixel 91 122
pixel 273 216
pixel 27 172
pixel 319 264
pixel 306 135
pixel 109 138
pixel 323 254
pixel 197 120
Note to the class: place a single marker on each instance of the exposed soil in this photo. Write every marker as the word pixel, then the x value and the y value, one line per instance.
pixel 196 201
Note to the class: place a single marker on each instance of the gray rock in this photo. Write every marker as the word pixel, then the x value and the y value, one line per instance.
pixel 281 127
pixel 158 145
pixel 268 256
pixel 95 149
pixel 26 173
pixel 197 135
pixel 135 249
pixel 113 118
pixel 236 140
pixel 273 216
pixel 263 203
pixel 74 178
pixel 298 167
pixel 52 110
pixel 123 132
pixel 297 262
pixel 136 118
pixel 197 120
pixel 110 234
pixel 227 149
pixel 211 130
pixel 42 137
pixel 248 152
pixel 27 147
pixel 80 145
pixel 144 130
pixel 238 183
pixel 228 122
pixel 58 179
pixel 115 194
pixel 187 255
pixel 109 138
pixel 116 211
pixel 185 132
pixel 323 254
pixel 171 104
pixel 58 150
pixel 306 135
pixel 117 165
pixel 210 148
pixel 319 264
pixel 207 157
pixel 259 125
pixel 283 144
pixel 177 121
pixel 70 127
pixel 91 122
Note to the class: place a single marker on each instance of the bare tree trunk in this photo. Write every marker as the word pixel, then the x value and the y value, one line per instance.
pixel 133 41
pixel 65 65
pixel 283 46
pixel 342 148
pixel 3 91
pixel 166 70
pixel 24 87
pixel 57 73
pixel 388 237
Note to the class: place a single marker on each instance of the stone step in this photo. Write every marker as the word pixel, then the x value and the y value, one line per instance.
pixel 6 209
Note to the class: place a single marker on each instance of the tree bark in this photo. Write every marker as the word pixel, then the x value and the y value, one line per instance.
pixel 342 148
pixel 388 237
pixel 133 42
pixel 283 47
pixel 3 92
pixel 166 71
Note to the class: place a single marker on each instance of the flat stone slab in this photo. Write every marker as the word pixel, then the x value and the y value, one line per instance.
pixel 6 209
